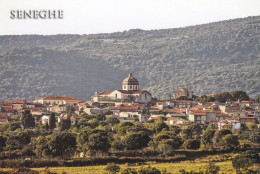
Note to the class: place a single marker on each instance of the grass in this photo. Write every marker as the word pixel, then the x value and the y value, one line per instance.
pixel 223 161
pixel 225 167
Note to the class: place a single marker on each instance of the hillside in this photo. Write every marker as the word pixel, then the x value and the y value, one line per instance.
pixel 209 58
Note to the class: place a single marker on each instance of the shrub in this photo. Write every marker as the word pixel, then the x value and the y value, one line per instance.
pixel 112 168
pixel 149 170
pixel 212 169
pixel 230 141
pixel 165 149
pixel 183 171
pixel 129 171
pixel 241 162
pixel 191 144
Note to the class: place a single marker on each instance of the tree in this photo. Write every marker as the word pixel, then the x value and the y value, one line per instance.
pixel 239 95
pixel 257 99
pixel 134 141
pixel 207 137
pixel 219 134
pixel 175 129
pixel 241 162
pixel 195 129
pixel 52 121
pixel 186 134
pixel 82 123
pixel 191 144
pixel 14 125
pixel 65 124
pixel 230 141
pixel 160 136
pixel 159 125
pixel 204 98
pixel 122 128
pixel 93 141
pixel 28 120
pixel 46 126
pixel 62 144
pixel 41 147
pixel 165 149
pixel 2 142
pixel 254 137
pixel 113 121
pixel 93 123
pixel 223 97
pixel 167 137
pixel 118 144
pixel 86 116
pixel 99 142
pixel 17 141
pixel 101 117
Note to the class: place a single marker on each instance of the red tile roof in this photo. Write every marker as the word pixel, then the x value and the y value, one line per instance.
pixel 57 98
pixel 247 117
pixel 3 120
pixel 4 106
pixel 132 92
pixel 222 115
pixel 199 113
pixel 182 101
pixel 33 109
pixel 196 108
pixel 18 101
pixel 105 93
pixel 211 120
pixel 245 101
pixel 124 108
pixel 171 119
pixel 232 118
pixel 154 118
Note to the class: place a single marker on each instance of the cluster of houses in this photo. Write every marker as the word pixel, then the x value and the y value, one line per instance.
pixel 131 104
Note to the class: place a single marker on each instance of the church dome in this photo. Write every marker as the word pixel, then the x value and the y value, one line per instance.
pixel 130 80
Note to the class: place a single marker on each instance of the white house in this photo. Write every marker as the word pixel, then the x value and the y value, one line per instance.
pixel 46 119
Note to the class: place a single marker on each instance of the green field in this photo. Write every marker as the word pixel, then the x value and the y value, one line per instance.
pixel 225 167
pixel 223 161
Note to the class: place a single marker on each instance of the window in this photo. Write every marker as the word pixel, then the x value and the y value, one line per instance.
pixel 130 87
pixel 124 87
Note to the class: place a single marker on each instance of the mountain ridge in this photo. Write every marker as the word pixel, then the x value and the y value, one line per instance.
pixel 207 58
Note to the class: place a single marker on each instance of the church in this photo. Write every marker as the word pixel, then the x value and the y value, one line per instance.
pixel 129 93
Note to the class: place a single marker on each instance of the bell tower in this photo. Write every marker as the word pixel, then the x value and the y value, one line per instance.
pixel 130 83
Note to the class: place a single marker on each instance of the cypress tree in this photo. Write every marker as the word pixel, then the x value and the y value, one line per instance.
pixel 52 121
pixel 28 120
pixel 47 126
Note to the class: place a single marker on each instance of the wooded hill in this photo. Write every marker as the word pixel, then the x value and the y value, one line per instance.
pixel 209 58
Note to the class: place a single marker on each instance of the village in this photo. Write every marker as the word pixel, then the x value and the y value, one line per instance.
pixel 131 104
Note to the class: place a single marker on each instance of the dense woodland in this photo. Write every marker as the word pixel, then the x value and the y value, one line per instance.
pixel 101 140
pixel 210 58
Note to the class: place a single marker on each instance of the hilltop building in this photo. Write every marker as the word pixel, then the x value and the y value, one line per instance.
pixel 129 93
pixel 184 92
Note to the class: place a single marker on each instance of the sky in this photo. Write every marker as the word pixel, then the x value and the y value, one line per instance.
pixel 106 16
